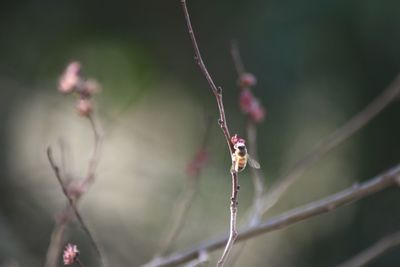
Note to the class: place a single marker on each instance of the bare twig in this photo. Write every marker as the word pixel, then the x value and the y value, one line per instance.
pixel 201 260
pixel 337 137
pixel 255 212
pixel 233 228
pixel 373 252
pixel 79 262
pixel 93 162
pixel 325 205
pixel 70 82
pixel 73 206
pixel 217 91
pixel 237 59
pixel 184 202
pixel 257 176
pixel 55 245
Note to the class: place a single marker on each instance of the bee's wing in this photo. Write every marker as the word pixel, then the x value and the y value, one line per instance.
pixel 252 162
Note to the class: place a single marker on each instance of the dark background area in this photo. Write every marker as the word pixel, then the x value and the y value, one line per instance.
pixel 317 62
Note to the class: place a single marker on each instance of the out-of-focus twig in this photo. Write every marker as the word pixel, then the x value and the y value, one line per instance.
pixel 184 202
pixel 256 174
pixel 94 160
pixel 237 59
pixel 275 192
pixel 249 108
pixel 376 250
pixel 200 261
pixel 55 246
pixel 72 82
pixel 217 91
pixel 325 205
pixel 73 206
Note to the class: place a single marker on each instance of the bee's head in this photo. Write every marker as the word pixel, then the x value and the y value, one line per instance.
pixel 240 146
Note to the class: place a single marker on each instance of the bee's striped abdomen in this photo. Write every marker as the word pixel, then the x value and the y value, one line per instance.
pixel 241 163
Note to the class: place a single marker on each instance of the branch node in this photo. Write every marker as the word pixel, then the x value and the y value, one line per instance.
pixel 219 90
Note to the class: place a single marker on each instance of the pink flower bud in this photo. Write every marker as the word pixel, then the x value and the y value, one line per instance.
pixel 236 139
pixel 251 106
pixel 84 107
pixel 70 78
pixel 70 254
pixel 247 80
pixel 245 100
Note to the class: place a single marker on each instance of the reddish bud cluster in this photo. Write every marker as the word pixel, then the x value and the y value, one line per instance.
pixel 70 255
pixel 251 105
pixel 199 161
pixel 72 81
pixel 236 139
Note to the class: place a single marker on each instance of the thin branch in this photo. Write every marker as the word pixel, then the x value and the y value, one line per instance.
pixel 233 234
pixel 79 262
pixel 55 245
pixel 325 205
pixel 337 137
pixel 184 202
pixel 73 206
pixel 256 174
pixel 255 213
pixel 201 260
pixel 237 59
pixel 376 250
pixel 93 162
pixel 217 91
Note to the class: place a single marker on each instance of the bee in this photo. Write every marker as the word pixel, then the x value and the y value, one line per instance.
pixel 240 158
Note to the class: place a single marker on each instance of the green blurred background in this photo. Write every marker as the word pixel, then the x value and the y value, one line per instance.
pixel 317 63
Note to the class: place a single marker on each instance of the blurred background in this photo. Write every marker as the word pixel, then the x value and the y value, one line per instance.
pixel 317 63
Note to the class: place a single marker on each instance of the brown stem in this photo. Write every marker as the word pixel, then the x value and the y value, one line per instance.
pixel 56 242
pixel 79 262
pixel 94 160
pixel 337 137
pixel 373 252
pixel 217 91
pixel 73 206
pixel 257 176
pixel 182 205
pixel 237 59
pixel 255 212
pixel 233 228
pixel 325 205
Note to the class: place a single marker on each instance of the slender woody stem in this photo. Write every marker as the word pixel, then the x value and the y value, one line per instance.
pixel 216 90
pixel 379 248
pixel 79 262
pixel 354 193
pixel 255 212
pixel 184 202
pixel 222 122
pixel 94 160
pixel 337 137
pixel 257 175
pixel 73 206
